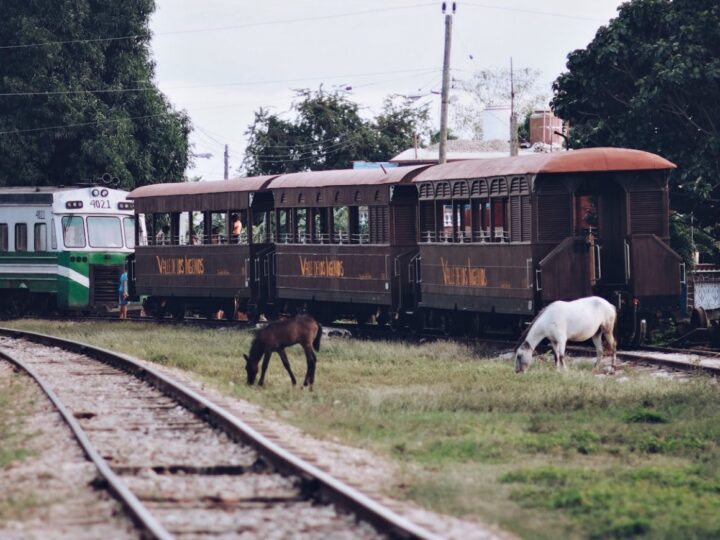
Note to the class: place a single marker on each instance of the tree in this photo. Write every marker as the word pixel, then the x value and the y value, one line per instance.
pixel 328 133
pixel 492 87
pixel 651 80
pixel 74 110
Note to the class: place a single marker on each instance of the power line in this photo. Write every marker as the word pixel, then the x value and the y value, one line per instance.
pixel 247 83
pixel 81 124
pixel 533 12
pixel 218 29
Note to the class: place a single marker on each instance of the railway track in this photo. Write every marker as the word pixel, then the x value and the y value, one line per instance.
pixel 181 466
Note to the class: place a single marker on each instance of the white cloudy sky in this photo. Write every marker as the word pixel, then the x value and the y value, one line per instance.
pixel 221 60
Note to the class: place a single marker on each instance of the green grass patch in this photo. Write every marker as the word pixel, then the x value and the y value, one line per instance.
pixel 545 454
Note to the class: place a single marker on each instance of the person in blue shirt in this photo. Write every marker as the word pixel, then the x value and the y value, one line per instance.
pixel 123 293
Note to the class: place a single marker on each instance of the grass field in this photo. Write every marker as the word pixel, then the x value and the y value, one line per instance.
pixel 545 454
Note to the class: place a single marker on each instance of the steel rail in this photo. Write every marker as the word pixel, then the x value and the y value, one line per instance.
pixel 330 489
pixel 140 515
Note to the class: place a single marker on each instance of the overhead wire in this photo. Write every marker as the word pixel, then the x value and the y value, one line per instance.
pixel 220 28
pixel 217 85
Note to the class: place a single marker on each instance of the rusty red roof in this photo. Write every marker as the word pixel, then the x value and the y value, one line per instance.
pixel 585 160
pixel 346 177
pixel 254 183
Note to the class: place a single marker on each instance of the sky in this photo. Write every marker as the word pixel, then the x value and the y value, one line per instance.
pixel 221 60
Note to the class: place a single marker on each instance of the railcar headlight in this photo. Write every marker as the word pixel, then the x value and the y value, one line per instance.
pixel 103 192
pixel 126 206
pixel 74 204
pixel 95 192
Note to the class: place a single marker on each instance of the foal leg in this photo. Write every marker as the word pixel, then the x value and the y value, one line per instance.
pixel 310 371
pixel 266 361
pixel 286 363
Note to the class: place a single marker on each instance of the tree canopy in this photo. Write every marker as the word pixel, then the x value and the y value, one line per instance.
pixel 328 132
pixel 651 80
pixel 74 104
pixel 492 87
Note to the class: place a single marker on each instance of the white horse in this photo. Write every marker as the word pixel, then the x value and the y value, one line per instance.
pixel 591 317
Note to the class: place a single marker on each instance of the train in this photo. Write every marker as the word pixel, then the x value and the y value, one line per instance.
pixel 63 248
pixel 467 246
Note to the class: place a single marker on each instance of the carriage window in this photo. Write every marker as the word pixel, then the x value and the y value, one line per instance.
pixel 321 232
pixel 341 225
pixel 447 232
pixel 363 225
pixel 3 237
pixel 262 227
pixel 73 231
pixel 218 228
pixel 586 214
pixel 129 227
pixel 301 225
pixel 284 232
pixel 463 221
pixel 159 232
pixel 40 237
pixel 53 237
pixel 500 226
pixel 21 237
pixel 482 222
pixel 104 232
pixel 238 227
pixel 196 228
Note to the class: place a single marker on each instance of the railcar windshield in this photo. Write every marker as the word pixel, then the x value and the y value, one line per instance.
pixel 73 230
pixel 129 225
pixel 104 232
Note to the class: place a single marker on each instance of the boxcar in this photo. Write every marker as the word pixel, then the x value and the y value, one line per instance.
pixel 506 236
pixel 344 242
pixel 62 247
pixel 193 255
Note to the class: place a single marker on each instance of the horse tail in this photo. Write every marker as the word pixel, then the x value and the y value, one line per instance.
pixel 316 341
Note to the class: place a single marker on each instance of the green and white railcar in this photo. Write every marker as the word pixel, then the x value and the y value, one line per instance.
pixel 62 247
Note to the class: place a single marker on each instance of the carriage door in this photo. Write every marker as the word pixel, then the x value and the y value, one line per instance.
pixel 611 222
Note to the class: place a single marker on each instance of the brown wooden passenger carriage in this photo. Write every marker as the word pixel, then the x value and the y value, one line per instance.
pixel 344 241
pixel 203 265
pixel 506 236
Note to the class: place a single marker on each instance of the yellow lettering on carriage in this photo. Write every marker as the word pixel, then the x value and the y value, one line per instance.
pixel 321 267
pixel 180 266
pixel 463 276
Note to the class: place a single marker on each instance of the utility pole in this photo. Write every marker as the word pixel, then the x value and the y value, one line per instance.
pixel 227 162
pixel 513 115
pixel 442 158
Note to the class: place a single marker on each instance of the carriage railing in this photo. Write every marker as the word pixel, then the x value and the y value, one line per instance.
pixel 341 237
pixel 195 239
pixel 501 235
pixel 321 238
pixel 360 238
pixel 427 236
pixel 482 236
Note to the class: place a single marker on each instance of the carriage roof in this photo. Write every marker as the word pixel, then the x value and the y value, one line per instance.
pixel 346 177
pixel 576 161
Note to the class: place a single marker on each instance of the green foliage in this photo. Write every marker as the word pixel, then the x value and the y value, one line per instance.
pixel 70 135
pixel 651 80
pixel 328 133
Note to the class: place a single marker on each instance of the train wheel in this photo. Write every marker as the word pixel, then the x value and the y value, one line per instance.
pixel 14 305
pixel 383 317
pixel 177 311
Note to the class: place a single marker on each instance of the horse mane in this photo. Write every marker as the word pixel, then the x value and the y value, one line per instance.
pixel 525 332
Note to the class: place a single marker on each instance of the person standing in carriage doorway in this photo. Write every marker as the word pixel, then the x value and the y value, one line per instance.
pixel 236 228
pixel 123 293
